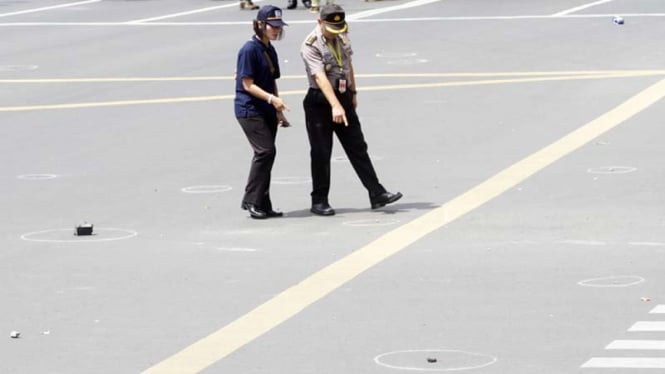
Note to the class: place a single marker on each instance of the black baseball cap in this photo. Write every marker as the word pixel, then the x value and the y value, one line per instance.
pixel 333 18
pixel 271 15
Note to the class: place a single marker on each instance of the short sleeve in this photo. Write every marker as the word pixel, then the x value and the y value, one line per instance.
pixel 246 65
pixel 312 59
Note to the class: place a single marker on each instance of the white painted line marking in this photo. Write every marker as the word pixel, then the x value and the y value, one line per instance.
pixel 626 362
pixel 48 8
pixel 377 20
pixel 174 15
pixel 373 12
pixel 637 344
pixel 581 7
pixel 290 302
pixel 659 309
pixel 648 326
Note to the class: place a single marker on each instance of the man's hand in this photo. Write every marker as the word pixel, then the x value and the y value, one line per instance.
pixel 339 115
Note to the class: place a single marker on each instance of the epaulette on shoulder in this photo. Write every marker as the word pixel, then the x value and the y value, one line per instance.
pixel 311 39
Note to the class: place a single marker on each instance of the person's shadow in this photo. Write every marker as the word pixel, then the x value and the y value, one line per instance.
pixel 388 209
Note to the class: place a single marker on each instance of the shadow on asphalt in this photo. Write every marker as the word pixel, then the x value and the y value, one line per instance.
pixel 390 209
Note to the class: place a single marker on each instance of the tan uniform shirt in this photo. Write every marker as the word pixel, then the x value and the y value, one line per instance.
pixel 321 55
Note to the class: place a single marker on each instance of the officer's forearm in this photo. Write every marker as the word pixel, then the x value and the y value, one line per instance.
pixel 326 88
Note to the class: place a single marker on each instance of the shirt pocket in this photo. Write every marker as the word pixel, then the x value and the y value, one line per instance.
pixel 327 58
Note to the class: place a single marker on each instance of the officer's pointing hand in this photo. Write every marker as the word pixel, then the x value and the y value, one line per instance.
pixel 339 116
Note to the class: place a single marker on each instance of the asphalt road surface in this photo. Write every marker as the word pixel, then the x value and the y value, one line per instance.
pixel 525 135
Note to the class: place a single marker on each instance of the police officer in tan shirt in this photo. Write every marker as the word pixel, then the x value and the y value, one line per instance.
pixel 330 106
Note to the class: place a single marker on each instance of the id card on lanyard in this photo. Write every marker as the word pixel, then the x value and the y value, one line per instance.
pixel 337 54
pixel 341 85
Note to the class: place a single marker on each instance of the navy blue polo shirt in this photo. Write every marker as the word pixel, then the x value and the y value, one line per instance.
pixel 253 63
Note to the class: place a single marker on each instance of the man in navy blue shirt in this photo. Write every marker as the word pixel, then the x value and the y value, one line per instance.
pixel 258 107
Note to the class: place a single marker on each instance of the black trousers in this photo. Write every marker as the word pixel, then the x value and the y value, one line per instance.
pixel 320 129
pixel 261 132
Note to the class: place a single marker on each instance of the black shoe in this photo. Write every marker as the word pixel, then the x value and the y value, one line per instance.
pixel 255 211
pixel 272 213
pixel 322 209
pixel 307 4
pixel 385 198
pixel 292 5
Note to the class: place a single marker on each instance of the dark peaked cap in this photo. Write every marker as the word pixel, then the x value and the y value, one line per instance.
pixel 333 19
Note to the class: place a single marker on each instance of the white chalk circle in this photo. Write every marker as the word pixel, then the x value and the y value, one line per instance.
pixel 36 177
pixel 236 249
pixel 405 61
pixel 395 54
pixel 611 170
pixel 647 244
pixel 582 242
pixel 372 222
pixel 18 67
pixel 613 281
pixel 207 189
pixel 346 159
pixel 434 360
pixel 291 180
pixel 67 235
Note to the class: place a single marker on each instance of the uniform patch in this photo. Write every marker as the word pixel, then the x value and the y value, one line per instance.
pixel 311 39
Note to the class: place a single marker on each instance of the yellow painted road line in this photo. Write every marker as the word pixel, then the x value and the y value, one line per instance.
pixel 300 92
pixel 386 75
pixel 498 81
pixel 121 79
pixel 292 301
pixel 114 103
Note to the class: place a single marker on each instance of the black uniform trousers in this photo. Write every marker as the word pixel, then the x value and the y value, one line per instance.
pixel 320 127
pixel 261 132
